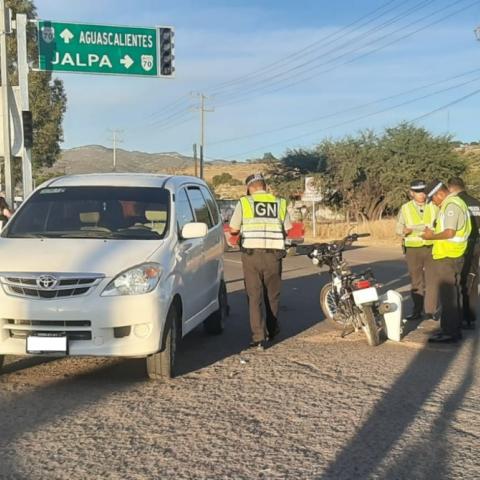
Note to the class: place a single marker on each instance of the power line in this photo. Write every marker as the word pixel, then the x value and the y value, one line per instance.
pixel 303 51
pixel 355 40
pixel 447 105
pixel 396 40
pixel 363 117
pixel 341 112
pixel 176 105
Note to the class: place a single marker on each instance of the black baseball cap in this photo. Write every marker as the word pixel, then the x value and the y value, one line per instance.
pixel 255 177
pixel 417 186
pixel 433 187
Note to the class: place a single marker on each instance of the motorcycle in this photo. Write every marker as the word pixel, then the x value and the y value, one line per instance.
pixel 351 300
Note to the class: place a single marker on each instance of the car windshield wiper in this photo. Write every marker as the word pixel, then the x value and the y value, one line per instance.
pixel 137 234
pixel 28 235
pixel 87 233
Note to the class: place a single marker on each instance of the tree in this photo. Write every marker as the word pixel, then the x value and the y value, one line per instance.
pixel 371 172
pixel 368 174
pixel 225 178
pixel 47 96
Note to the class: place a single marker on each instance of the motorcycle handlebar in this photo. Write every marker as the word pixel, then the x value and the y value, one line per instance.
pixel 361 235
pixel 339 244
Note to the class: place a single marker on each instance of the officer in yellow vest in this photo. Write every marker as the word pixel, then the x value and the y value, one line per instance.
pixel 262 220
pixel 450 239
pixel 412 219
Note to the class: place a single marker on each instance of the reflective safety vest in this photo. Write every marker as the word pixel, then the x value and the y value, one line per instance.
pixel 414 220
pixel 263 215
pixel 453 247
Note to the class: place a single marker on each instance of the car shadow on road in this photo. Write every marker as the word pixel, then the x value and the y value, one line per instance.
pixel 53 401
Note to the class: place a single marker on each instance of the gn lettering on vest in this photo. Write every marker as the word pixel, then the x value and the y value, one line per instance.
pixel 265 209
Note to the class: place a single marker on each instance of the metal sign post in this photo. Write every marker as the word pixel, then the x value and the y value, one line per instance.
pixel 22 65
pixel 104 49
pixel 7 153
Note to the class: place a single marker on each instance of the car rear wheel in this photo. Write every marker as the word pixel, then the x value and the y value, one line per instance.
pixel 161 365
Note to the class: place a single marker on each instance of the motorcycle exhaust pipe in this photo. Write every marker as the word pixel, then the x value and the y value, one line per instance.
pixel 385 308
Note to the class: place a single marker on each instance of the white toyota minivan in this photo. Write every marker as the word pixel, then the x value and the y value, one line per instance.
pixel 112 265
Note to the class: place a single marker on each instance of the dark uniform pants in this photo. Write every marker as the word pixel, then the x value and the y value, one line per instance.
pixel 447 273
pixel 420 268
pixel 469 282
pixel 262 271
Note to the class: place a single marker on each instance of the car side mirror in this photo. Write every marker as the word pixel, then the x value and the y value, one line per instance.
pixel 194 230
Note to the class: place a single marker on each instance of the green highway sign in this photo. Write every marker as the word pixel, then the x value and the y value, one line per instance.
pixel 105 49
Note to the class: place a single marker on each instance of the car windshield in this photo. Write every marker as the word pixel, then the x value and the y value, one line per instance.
pixel 135 213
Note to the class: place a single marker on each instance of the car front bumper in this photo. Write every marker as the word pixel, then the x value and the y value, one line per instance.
pixel 124 326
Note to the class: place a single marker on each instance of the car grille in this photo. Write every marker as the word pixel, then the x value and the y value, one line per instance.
pixel 64 285
pixel 74 329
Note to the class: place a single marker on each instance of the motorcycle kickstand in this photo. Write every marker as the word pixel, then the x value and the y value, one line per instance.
pixel 347 330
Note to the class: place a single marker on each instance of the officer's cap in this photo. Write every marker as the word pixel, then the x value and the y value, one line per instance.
pixel 255 177
pixel 417 186
pixel 433 187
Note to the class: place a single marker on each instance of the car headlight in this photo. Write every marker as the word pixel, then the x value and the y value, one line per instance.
pixel 136 281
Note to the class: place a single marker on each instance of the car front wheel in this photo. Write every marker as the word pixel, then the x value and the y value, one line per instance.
pixel 161 365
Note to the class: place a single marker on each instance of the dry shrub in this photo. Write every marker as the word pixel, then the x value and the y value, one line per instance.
pixel 381 231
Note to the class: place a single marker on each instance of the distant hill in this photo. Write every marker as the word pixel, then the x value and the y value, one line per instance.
pixel 96 158
pixel 99 159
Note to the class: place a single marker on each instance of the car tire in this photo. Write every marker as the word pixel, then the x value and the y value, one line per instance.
pixel 215 323
pixel 161 365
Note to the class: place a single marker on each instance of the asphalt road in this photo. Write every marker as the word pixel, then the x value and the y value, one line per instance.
pixel 313 406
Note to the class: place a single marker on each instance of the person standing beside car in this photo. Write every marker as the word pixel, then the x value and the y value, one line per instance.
pixel 262 221
pixel 469 277
pixel 412 219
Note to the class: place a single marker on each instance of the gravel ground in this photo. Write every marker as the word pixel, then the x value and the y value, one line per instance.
pixel 313 406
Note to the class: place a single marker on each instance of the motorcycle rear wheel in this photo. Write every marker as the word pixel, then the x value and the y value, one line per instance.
pixel 369 326
pixel 329 307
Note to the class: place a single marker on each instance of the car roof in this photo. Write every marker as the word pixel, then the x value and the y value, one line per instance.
pixel 123 180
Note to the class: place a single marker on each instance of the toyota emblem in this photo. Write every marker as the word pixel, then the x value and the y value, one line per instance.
pixel 47 282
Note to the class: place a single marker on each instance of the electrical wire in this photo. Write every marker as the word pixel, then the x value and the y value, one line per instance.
pixel 363 117
pixel 342 112
pixel 363 55
pixel 355 40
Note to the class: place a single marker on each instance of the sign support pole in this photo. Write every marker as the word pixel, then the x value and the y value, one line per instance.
pixel 7 152
pixel 22 60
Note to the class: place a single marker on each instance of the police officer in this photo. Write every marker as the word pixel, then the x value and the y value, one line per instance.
pixel 450 239
pixel 412 219
pixel 469 277
pixel 263 220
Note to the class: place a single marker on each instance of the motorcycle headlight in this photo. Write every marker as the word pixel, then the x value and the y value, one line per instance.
pixel 136 281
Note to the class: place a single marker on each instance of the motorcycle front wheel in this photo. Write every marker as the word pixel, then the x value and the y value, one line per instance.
pixel 328 303
pixel 369 325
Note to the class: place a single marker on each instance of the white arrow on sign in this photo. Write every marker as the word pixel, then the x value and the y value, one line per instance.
pixel 67 35
pixel 127 61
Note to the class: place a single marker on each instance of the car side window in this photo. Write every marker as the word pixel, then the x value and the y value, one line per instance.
pixel 212 205
pixel 183 209
pixel 200 208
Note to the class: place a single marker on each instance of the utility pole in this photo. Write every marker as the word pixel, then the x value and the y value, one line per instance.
pixel 195 159
pixel 115 140
pixel 477 33
pixel 203 110
pixel 7 152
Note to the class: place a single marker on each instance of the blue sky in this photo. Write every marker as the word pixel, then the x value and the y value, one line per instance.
pixel 219 41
